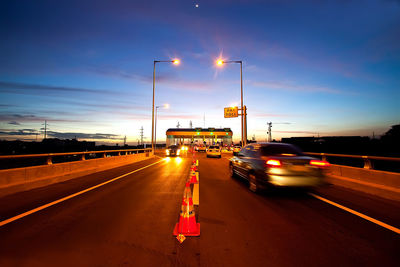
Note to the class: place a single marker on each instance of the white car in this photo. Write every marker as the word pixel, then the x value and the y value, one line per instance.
pixel 213 151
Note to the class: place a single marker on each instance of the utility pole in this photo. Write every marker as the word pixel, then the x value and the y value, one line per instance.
pixel 45 129
pixel 125 140
pixel 204 120
pixel 178 125
pixel 269 131
pixel 141 135
pixel 190 124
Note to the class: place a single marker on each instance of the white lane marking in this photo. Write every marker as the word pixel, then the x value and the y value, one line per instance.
pixel 387 226
pixel 70 196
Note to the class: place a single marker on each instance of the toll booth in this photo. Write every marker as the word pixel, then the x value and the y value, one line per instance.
pixel 207 136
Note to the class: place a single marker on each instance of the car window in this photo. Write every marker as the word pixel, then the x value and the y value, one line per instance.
pixel 173 147
pixel 280 150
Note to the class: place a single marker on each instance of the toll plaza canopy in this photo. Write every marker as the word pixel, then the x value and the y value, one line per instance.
pixel 199 136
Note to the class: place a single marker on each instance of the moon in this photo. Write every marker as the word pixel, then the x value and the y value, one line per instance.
pixel 196 5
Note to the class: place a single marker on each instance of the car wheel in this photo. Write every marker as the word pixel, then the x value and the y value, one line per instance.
pixel 253 185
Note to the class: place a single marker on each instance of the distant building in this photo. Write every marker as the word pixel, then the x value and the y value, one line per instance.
pixel 199 136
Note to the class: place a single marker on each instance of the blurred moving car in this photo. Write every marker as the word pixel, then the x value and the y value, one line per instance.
pixel 213 151
pixel 277 164
pixel 172 151
pixel 201 148
pixel 225 149
pixel 236 149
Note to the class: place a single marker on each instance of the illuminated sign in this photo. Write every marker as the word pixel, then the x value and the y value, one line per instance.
pixel 231 112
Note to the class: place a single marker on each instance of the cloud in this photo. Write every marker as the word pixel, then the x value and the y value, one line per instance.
pixel 23 88
pixel 21 132
pixel 31 118
pixel 179 117
pixel 95 136
pixel 296 132
pixel 168 79
pixel 60 135
pixel 288 86
pixel 14 123
pixel 267 115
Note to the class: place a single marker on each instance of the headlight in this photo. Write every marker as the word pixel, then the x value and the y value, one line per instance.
pixel 167 151
pixel 178 151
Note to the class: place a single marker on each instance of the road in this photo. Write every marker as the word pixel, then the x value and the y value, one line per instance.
pixel 130 220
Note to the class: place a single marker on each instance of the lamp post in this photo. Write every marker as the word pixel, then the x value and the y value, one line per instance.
pixel 220 62
pixel 155 123
pixel 176 62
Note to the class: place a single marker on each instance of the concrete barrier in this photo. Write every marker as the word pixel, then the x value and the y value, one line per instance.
pixel 21 179
pixel 381 183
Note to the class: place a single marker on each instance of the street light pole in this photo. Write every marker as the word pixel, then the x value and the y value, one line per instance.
pixel 152 111
pixel 176 62
pixel 155 128
pixel 244 138
pixel 242 108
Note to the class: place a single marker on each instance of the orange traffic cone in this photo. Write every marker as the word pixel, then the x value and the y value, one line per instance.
pixel 187 225
pixel 193 178
pixel 193 168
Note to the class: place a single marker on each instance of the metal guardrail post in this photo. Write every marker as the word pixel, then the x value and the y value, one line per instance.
pixel 83 157
pixel 323 156
pixel 104 155
pixel 367 163
pixel 49 160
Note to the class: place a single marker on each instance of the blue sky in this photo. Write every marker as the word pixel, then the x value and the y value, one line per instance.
pixel 310 67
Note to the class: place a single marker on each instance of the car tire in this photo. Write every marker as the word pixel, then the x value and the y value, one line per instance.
pixel 253 184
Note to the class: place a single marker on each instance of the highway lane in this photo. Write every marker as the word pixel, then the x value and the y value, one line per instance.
pixel 130 222
pixel 286 228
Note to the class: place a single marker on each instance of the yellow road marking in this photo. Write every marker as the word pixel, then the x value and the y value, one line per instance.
pixel 70 196
pixel 387 226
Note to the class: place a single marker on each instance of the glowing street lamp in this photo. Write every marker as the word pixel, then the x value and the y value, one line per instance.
pixel 175 62
pixel 166 106
pixel 221 62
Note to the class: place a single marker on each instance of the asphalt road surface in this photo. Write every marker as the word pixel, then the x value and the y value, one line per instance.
pixel 129 222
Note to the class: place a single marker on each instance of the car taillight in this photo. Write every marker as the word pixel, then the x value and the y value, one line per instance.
pixel 273 163
pixel 319 163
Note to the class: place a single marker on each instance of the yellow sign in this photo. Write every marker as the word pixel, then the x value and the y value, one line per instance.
pixel 230 112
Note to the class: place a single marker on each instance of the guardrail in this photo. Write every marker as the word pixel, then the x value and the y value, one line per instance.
pixel 49 157
pixel 368 164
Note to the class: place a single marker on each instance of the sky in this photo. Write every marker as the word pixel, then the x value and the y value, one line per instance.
pixel 312 68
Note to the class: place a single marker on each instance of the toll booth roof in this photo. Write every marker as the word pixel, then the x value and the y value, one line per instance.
pixel 192 132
